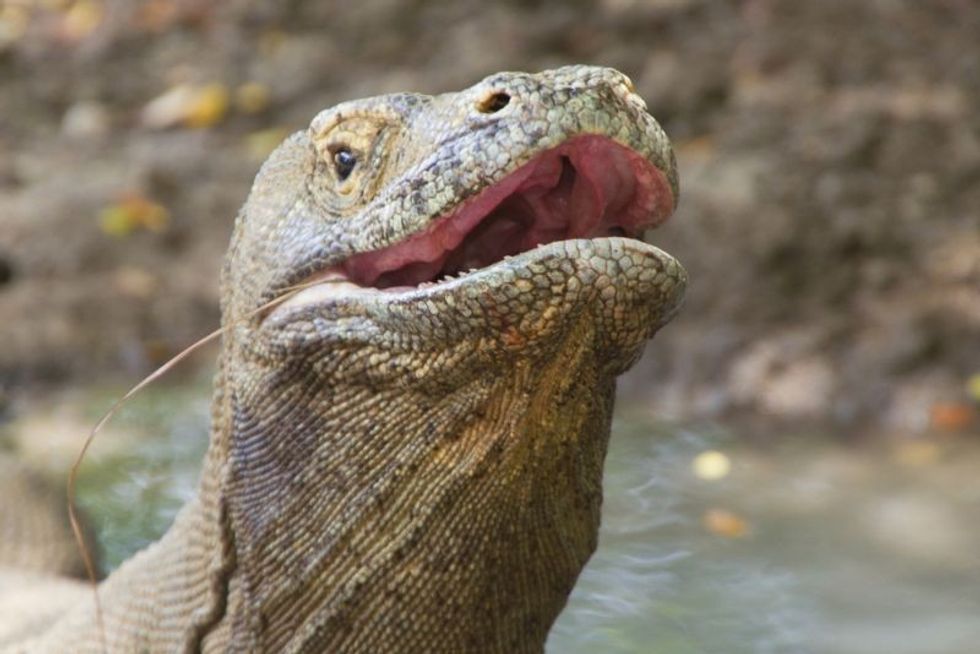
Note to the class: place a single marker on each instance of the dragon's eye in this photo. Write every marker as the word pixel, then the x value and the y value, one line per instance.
pixel 344 161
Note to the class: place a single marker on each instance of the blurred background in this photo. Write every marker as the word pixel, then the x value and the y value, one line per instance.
pixel 794 466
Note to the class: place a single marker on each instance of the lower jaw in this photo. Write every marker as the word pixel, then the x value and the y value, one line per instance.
pixel 332 286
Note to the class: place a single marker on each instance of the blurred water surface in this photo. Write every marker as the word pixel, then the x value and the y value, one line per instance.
pixel 807 545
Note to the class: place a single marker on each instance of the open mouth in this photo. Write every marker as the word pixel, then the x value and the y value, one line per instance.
pixel 587 187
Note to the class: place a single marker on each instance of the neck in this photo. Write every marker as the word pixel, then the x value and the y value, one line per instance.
pixel 377 519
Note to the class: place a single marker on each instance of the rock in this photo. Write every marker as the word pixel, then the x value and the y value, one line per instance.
pixel 86 120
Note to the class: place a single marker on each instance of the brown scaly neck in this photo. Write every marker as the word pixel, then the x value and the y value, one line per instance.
pixel 373 519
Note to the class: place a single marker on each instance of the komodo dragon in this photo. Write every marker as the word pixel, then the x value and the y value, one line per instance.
pixel 407 456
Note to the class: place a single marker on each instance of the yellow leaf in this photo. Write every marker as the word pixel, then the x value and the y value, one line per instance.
pixel 208 106
pixel 14 21
pixel 252 97
pixel 973 386
pixel 115 221
pixel 711 465
pixel 133 212
pixel 82 19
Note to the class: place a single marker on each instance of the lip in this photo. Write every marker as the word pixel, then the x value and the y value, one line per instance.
pixel 588 187
pixel 640 274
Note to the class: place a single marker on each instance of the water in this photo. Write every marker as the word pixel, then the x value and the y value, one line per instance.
pixel 659 582
pixel 845 550
pixel 822 548
pixel 131 494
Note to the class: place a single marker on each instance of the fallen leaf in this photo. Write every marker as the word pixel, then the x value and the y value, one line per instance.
pixel 973 386
pixel 135 282
pixel 86 120
pixel 188 104
pixel 711 465
pixel 252 97
pixel 723 522
pixel 14 21
pixel 81 19
pixel 168 108
pixel 951 416
pixel 917 453
pixel 208 107
pixel 131 213
pixel 157 15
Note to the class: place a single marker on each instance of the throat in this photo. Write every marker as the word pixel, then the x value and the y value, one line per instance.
pixel 463 521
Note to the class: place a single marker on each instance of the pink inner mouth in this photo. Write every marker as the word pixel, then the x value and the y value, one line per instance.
pixel 587 187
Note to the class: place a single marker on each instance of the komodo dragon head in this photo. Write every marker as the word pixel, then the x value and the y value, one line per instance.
pixel 407 455
pixel 417 442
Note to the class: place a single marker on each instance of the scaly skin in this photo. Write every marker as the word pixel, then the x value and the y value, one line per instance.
pixel 414 471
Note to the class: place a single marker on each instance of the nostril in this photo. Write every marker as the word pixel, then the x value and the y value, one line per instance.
pixel 6 270
pixel 493 102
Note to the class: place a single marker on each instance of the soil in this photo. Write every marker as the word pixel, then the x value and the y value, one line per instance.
pixel 829 156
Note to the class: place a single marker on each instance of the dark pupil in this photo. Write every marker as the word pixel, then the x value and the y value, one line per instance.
pixel 496 102
pixel 344 161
